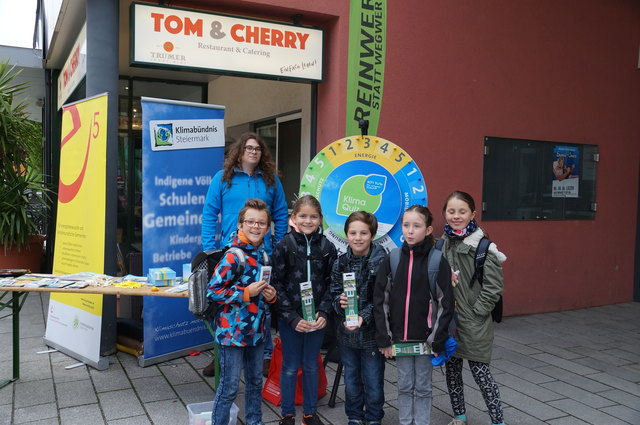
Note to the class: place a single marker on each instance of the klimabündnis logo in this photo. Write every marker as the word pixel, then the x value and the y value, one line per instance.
pixel 163 135
pixel 186 134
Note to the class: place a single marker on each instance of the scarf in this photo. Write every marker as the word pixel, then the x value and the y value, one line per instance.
pixel 463 233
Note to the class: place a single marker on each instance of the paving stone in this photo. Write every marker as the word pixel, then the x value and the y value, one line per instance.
pixel 153 389
pixel 586 413
pixel 623 398
pixel 615 382
pixel 111 379
pixel 564 364
pixel 6 394
pixel 532 390
pixel 525 373
pixel 514 346
pixel 60 374
pixel 33 392
pixel 194 392
pixel 521 359
pixel 120 404
pixel 51 421
pixel 75 393
pixel 136 420
pixel 608 356
pixel 35 371
pixel 620 371
pixel 167 412
pixel 6 411
pixel 578 394
pixel 515 417
pixel 567 420
pixel 81 415
pixel 573 379
pixel 35 413
pixel 133 370
pixel 180 373
pixel 564 353
pixel 622 412
pixel 531 406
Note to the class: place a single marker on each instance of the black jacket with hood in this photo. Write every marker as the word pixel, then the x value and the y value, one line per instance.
pixel 402 305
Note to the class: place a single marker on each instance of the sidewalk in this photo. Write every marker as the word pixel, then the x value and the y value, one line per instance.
pixel 574 367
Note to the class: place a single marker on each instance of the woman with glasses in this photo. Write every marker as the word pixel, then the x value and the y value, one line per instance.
pixel 249 171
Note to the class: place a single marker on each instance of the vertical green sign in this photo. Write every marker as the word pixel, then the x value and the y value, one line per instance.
pixel 365 75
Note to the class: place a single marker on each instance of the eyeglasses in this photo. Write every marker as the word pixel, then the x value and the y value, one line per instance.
pixel 253 149
pixel 252 223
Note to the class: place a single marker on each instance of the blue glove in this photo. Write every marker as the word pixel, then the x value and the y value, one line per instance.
pixel 450 347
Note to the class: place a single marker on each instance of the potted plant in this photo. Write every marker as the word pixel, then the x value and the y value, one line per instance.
pixel 23 194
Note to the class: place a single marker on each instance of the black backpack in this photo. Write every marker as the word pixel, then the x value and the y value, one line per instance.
pixel 478 273
pixel 202 267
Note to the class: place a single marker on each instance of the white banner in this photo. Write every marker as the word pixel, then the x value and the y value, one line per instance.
pixel 75 327
pixel 185 38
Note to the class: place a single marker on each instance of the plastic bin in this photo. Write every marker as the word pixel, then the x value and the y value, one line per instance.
pixel 200 413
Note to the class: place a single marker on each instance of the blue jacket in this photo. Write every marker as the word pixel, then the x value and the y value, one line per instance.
pixel 239 318
pixel 228 201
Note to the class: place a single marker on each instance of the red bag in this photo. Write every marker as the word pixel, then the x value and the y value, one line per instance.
pixel 271 390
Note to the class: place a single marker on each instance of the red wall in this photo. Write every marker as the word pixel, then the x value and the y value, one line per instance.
pixel 562 71
pixel 459 70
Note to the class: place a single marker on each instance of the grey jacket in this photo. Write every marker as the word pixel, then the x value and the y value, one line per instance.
pixel 474 303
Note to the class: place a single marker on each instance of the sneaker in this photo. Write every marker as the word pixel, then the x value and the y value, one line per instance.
pixel 457 421
pixel 287 420
pixel 312 419
pixel 210 370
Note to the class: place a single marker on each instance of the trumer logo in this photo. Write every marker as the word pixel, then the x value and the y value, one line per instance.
pixel 163 134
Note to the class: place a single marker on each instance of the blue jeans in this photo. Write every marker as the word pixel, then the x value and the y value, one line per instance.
pixel 363 383
pixel 414 389
pixel 232 360
pixel 299 349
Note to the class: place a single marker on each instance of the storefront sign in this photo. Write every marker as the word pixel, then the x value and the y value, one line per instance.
pixel 365 74
pixel 169 37
pixel 74 69
pixel 74 321
pixel 364 173
pixel 182 148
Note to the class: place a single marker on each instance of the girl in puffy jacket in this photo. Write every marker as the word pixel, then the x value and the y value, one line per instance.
pixel 405 313
pixel 302 267
pixel 474 303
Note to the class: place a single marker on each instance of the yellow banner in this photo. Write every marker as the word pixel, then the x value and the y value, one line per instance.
pixel 80 226
pixel 91 303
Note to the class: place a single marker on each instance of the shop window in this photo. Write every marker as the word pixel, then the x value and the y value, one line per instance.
pixel 538 180
pixel 129 234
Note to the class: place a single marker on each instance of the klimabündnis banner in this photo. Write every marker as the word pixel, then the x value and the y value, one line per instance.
pixel 182 148
pixel 74 322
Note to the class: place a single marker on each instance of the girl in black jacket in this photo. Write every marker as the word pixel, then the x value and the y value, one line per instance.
pixel 408 314
pixel 301 268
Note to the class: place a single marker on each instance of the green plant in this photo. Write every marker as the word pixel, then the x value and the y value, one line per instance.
pixel 23 194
